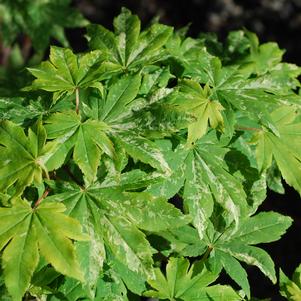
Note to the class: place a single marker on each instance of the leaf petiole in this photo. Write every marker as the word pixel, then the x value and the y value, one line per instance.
pixel 40 199
pixel 77 100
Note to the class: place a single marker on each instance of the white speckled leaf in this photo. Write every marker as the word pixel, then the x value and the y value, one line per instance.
pixel 252 256
pixel 215 181
pixel 144 150
pixel 114 217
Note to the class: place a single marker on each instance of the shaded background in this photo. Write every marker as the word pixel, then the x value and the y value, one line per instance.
pixel 272 20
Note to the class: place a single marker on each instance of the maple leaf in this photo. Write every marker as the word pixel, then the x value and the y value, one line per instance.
pixel 285 148
pixel 22 158
pixel 113 218
pixel 196 100
pixel 224 248
pixel 201 170
pixel 27 232
pixel 127 48
pixel 188 283
pixel 67 72
pixel 87 139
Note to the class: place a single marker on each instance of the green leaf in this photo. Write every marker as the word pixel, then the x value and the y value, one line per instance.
pixel 144 150
pixel 40 20
pixel 127 48
pixel 22 158
pixel 88 140
pixel 114 218
pixel 261 228
pixel 66 72
pixel 183 282
pixel 135 282
pixel 208 181
pixel 290 289
pixel 120 95
pixel 264 227
pixel 247 95
pixel 111 287
pixel 25 233
pixel 196 101
pixel 234 269
pixel 285 149
pixel 262 57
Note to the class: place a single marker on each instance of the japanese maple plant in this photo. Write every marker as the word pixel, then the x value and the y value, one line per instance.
pixel 136 169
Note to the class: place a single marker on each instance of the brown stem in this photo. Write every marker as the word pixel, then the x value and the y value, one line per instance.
pixel 243 128
pixel 44 195
pixel 77 100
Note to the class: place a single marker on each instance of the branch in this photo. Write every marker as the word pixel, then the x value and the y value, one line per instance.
pixel 44 195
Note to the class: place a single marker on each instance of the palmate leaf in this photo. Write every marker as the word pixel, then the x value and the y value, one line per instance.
pixel 194 99
pixel 127 48
pixel 113 219
pixel 22 158
pixel 115 108
pixel 119 100
pixel 185 282
pixel 229 246
pixel 27 232
pixel 206 179
pixel 188 54
pixel 244 47
pixel 260 59
pixel 87 139
pixel 121 106
pixel 232 245
pixel 285 149
pixel 65 72
pixel 248 95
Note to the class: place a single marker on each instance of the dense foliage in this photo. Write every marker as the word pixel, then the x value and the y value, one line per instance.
pixel 137 168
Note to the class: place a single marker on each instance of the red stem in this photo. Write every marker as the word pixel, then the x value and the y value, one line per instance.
pixel 44 195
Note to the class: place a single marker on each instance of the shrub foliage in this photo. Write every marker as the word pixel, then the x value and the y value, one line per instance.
pixel 137 168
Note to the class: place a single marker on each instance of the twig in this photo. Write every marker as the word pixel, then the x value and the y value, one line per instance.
pixel 44 195
pixel 243 128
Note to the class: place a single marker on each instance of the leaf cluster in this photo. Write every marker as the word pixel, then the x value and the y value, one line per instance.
pixel 151 151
